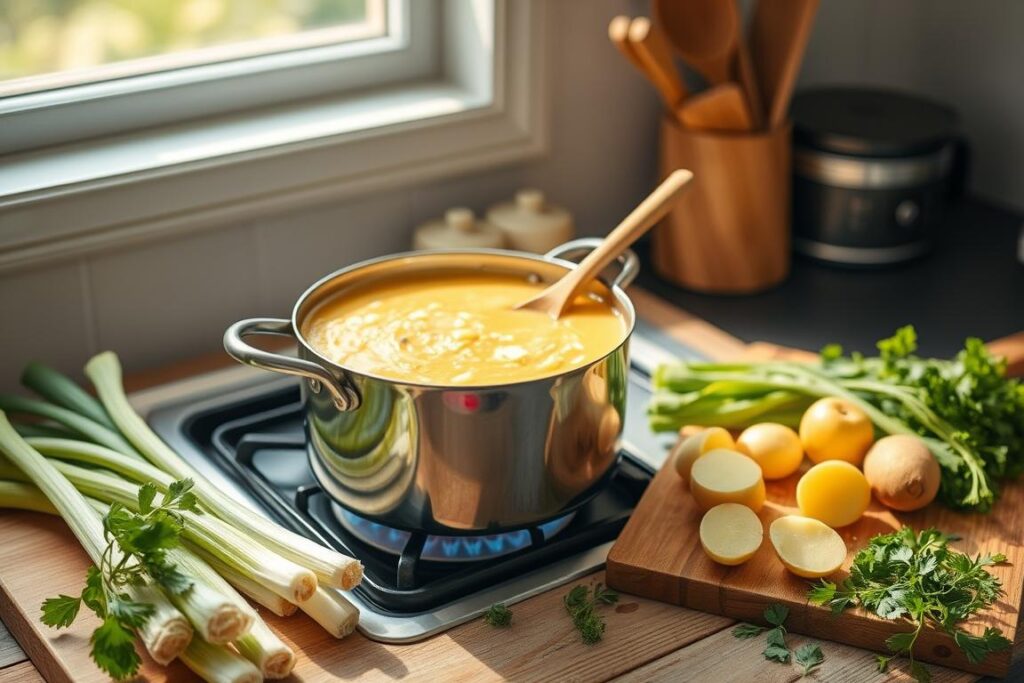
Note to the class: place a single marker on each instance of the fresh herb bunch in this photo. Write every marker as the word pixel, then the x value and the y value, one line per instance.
pixel 135 553
pixel 498 615
pixel 918 577
pixel 581 603
pixel 965 409
pixel 808 656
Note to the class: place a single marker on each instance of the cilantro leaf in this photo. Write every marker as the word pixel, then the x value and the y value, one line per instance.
pixel 777 637
pixel 776 614
pixel 920 672
pixel 976 647
pixel 809 656
pixel 113 649
pixel 147 492
pixel 901 642
pixel 61 611
pixel 130 613
pixel 747 631
pixel 93 595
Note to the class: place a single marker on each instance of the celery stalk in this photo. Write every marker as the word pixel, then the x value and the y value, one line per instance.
pixel 331 567
pixel 76 423
pixel 65 392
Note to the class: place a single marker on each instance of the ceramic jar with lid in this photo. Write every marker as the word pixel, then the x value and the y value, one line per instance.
pixel 459 229
pixel 532 224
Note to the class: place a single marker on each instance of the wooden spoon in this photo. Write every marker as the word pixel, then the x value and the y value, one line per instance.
pixel 778 37
pixel 720 107
pixel 707 34
pixel 650 46
pixel 559 296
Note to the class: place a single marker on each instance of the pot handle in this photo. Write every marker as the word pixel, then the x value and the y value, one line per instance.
pixel 570 251
pixel 344 397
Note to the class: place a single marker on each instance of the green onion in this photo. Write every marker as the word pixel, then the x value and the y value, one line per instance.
pixel 76 423
pixel 218 664
pixel 331 567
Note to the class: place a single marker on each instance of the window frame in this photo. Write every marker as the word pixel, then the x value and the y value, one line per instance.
pixel 485 107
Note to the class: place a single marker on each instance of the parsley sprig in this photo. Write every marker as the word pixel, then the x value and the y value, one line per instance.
pixel 498 615
pixel 582 602
pixel 808 656
pixel 918 577
pixel 137 543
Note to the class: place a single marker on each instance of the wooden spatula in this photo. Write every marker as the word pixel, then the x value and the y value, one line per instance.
pixel 721 107
pixel 778 36
pixel 559 296
pixel 652 50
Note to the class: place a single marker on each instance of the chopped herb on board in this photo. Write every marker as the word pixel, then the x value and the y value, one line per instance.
pixel 917 577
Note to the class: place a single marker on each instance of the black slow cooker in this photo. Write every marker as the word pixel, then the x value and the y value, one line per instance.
pixel 872 170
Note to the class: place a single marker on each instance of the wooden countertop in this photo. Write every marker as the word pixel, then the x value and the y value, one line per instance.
pixel 644 641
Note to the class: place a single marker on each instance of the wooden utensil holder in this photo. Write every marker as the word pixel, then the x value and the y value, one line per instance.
pixel 730 233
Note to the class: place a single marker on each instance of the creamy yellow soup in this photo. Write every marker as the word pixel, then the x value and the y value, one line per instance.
pixel 459 330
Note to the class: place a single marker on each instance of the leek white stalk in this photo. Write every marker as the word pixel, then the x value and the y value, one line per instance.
pixel 166 632
pixel 215 609
pixel 252 589
pixel 17 495
pixel 332 610
pixel 331 567
pixel 218 664
pixel 289 580
pixel 262 647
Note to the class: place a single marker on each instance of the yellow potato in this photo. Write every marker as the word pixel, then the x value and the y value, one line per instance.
pixel 723 476
pixel 807 547
pixel 692 447
pixel 836 429
pixel 833 491
pixel 776 448
pixel 731 533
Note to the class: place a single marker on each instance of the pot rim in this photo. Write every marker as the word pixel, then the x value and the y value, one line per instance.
pixel 620 295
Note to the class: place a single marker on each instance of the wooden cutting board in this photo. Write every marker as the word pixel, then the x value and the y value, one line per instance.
pixel 658 555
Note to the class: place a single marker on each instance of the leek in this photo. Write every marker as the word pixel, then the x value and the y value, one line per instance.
pixel 71 420
pixel 65 392
pixel 329 608
pixel 166 633
pixel 262 647
pixel 252 589
pixel 218 664
pixel 330 566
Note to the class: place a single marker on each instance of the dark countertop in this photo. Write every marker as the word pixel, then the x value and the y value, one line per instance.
pixel 970 285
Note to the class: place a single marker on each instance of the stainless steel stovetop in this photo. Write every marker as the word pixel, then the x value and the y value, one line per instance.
pixel 177 410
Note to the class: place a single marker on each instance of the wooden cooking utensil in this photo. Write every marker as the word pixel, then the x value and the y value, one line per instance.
pixel 560 295
pixel 720 107
pixel 707 34
pixel 651 48
pixel 778 37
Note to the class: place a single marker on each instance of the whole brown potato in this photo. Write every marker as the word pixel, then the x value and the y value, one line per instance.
pixel 902 472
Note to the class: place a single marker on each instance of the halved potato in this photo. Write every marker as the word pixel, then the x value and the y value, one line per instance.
pixel 833 491
pixel 807 547
pixel 731 533
pixel 723 476
pixel 688 449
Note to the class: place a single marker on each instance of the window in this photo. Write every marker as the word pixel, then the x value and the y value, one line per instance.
pixel 191 130
pixel 46 44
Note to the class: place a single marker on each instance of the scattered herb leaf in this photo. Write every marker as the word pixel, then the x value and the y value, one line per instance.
pixel 776 614
pixel 809 656
pixel 777 654
pixel 581 603
pixel 919 578
pixel 747 631
pixel 498 615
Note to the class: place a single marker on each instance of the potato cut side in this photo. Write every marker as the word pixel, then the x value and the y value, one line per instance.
pixel 731 533
pixel 807 547
pixel 692 447
pixel 723 476
pixel 835 492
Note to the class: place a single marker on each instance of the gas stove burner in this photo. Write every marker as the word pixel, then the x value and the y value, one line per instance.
pixel 447 548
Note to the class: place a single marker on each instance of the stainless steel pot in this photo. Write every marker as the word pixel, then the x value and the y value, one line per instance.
pixel 449 459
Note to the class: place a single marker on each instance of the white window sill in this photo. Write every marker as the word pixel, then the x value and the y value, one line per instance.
pixel 66 201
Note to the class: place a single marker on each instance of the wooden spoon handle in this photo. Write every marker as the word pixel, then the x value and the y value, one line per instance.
pixel 651 48
pixel 640 220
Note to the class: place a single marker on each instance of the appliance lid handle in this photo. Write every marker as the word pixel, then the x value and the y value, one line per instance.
pixel 345 398
pixel 629 264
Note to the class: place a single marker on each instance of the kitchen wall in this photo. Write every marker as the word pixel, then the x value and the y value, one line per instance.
pixel 965 54
pixel 170 300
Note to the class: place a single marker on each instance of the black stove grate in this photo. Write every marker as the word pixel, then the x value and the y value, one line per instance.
pixel 261 442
